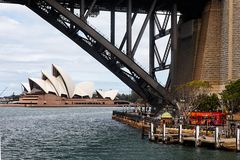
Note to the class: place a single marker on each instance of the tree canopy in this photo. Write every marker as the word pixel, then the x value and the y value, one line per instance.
pixel 231 96
pixel 133 97
pixel 191 95
pixel 206 102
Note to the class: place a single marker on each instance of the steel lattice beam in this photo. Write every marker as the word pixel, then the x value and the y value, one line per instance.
pixel 102 50
pixel 60 13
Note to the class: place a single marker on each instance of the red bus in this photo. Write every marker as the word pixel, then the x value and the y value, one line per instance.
pixel 207 118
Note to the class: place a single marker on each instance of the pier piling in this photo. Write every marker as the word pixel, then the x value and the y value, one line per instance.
pixel 180 133
pixel 238 139
pixel 197 135
pixel 152 132
pixel 164 132
pixel 217 137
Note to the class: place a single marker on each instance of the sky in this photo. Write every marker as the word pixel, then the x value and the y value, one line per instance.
pixel 28 44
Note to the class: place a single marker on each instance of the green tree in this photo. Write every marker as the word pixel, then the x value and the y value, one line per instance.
pixel 123 96
pixel 207 103
pixel 188 94
pixel 134 97
pixel 231 96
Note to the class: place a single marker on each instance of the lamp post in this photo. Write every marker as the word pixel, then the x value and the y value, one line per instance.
pixel 182 109
pixel 231 115
pixel 221 104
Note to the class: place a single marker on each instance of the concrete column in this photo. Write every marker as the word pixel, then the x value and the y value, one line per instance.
pixel 180 133
pixel 197 135
pixel 164 131
pixel 238 139
pixel 217 137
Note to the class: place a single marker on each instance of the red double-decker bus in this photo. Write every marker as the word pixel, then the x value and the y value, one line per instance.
pixel 207 118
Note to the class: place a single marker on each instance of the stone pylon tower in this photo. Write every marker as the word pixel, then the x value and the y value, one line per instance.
pixel 230 41
pixel 209 47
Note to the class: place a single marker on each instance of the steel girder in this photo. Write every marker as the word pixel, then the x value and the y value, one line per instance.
pixel 123 66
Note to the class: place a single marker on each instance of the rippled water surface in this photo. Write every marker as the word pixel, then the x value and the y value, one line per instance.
pixel 84 134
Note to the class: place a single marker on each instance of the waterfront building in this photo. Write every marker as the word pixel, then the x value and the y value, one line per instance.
pixel 59 89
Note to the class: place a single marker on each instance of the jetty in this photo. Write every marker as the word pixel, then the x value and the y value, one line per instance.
pixel 216 137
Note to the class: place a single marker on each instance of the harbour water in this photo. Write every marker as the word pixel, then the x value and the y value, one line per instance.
pixel 85 134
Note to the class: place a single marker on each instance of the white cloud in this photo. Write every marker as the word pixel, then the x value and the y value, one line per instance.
pixel 7 25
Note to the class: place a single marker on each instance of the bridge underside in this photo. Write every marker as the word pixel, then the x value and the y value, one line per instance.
pixel 62 15
pixel 190 9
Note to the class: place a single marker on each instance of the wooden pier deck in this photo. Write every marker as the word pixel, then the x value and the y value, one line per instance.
pixel 171 135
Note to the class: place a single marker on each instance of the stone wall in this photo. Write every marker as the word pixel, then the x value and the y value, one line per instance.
pixel 208 54
pixel 224 43
pixel 236 40
pixel 213 54
pixel 230 37
pixel 187 36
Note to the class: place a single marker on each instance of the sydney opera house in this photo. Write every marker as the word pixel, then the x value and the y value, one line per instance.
pixel 58 89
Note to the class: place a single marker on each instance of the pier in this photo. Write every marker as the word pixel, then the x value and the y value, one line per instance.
pixel 216 137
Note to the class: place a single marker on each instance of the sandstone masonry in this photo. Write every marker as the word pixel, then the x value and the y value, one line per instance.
pixel 213 52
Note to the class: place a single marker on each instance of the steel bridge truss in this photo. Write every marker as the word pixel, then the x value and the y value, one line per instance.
pixel 62 15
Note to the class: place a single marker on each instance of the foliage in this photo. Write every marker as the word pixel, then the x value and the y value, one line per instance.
pixel 195 87
pixel 133 97
pixel 206 102
pixel 231 96
pixel 123 96
pixel 189 93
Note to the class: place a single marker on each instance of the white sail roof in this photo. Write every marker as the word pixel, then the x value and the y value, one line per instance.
pixel 64 79
pixel 50 87
pixel 53 81
pixel 108 94
pixel 61 84
pixel 45 86
pixel 84 89
pixel 26 87
pixel 39 82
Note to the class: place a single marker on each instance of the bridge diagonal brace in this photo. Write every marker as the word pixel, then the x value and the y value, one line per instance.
pixel 102 50
pixel 125 35
pixel 158 57
pixel 100 39
pixel 167 51
pixel 84 43
pixel 90 9
pixel 143 27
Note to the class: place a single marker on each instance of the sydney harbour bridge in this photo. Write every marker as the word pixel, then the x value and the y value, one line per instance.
pixel 196 32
